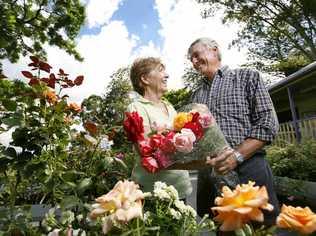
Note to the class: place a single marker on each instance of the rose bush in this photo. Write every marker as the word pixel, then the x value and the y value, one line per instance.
pixel 47 160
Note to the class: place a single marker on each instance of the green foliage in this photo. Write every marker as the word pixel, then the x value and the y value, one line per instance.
pixel 25 26
pixel 297 161
pixel 272 30
pixel 191 78
pixel 178 98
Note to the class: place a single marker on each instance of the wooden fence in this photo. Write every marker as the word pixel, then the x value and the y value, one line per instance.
pixel 307 128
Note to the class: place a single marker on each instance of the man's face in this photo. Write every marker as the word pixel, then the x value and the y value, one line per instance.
pixel 204 59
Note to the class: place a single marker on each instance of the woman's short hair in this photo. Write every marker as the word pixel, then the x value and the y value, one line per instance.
pixel 142 67
pixel 211 43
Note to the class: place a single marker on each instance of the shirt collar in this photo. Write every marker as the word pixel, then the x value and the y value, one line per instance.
pixel 141 99
pixel 222 71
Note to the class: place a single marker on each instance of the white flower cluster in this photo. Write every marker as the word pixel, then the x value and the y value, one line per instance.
pixel 164 192
pixel 105 144
pixel 175 214
pixel 185 209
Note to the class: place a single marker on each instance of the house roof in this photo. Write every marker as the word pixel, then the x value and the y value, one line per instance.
pixel 293 78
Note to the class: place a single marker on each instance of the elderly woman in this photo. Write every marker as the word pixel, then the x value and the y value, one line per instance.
pixel 149 79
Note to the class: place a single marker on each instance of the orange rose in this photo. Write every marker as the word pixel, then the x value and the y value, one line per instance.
pixel 237 207
pixel 68 120
pixel 50 95
pixel 75 107
pixel 297 218
pixel 181 119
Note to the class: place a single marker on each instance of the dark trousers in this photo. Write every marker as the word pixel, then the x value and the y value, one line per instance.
pixel 255 169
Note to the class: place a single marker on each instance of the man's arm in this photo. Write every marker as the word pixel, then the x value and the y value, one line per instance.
pixel 227 161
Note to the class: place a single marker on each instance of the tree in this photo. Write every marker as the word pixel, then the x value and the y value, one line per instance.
pixel 178 98
pixel 25 26
pixel 274 31
pixel 107 111
pixel 191 78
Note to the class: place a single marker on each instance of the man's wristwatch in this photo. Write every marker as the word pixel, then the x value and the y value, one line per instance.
pixel 239 157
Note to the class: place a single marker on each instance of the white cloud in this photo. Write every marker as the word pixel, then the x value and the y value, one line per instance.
pixel 181 23
pixel 104 53
pixel 100 11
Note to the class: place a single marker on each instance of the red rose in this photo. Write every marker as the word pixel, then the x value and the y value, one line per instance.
pixel 155 141
pixel 195 117
pixel 167 145
pixel 162 159
pixel 196 128
pixel 133 126
pixel 144 148
pixel 150 164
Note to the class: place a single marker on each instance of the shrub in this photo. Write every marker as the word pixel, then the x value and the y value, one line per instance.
pixel 295 160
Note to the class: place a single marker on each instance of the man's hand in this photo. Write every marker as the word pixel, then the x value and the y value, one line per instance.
pixel 224 162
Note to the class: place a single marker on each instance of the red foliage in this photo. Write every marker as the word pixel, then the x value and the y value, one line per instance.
pixel 78 80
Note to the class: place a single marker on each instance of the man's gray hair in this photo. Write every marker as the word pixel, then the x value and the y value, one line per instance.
pixel 211 43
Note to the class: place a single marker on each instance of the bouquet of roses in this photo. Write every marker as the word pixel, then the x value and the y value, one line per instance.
pixel 195 135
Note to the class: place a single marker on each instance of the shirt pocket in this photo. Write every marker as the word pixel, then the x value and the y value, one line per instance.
pixel 234 103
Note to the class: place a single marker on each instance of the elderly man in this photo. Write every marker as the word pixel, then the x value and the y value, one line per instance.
pixel 243 109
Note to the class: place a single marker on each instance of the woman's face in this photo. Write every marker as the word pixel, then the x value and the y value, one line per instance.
pixel 156 80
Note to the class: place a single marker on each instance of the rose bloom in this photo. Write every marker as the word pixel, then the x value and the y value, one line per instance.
pixel 150 164
pixel 145 149
pixel 184 141
pixel 162 159
pixel 68 120
pixel 167 145
pixel 122 203
pixel 50 95
pixel 297 218
pixel 133 126
pixel 180 120
pixel 74 106
pixel 237 207
pixel 206 120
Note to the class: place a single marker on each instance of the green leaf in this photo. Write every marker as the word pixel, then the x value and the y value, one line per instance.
pixel 239 232
pixel 84 185
pixel 9 104
pixel 14 120
pixel 69 202
pixel 10 151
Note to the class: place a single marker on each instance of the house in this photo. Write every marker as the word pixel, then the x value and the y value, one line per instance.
pixel 294 99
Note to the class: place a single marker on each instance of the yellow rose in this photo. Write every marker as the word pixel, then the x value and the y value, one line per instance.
pixel 297 218
pixel 236 208
pixel 180 120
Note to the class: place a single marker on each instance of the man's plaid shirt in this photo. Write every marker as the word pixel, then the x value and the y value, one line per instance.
pixel 240 103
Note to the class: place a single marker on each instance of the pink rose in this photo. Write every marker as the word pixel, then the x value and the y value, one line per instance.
pixel 184 141
pixel 206 120
pixel 162 159
pixel 144 148
pixel 150 164
pixel 167 145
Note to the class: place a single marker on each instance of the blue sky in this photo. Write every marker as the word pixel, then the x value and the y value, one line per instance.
pixel 118 31
pixel 140 17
